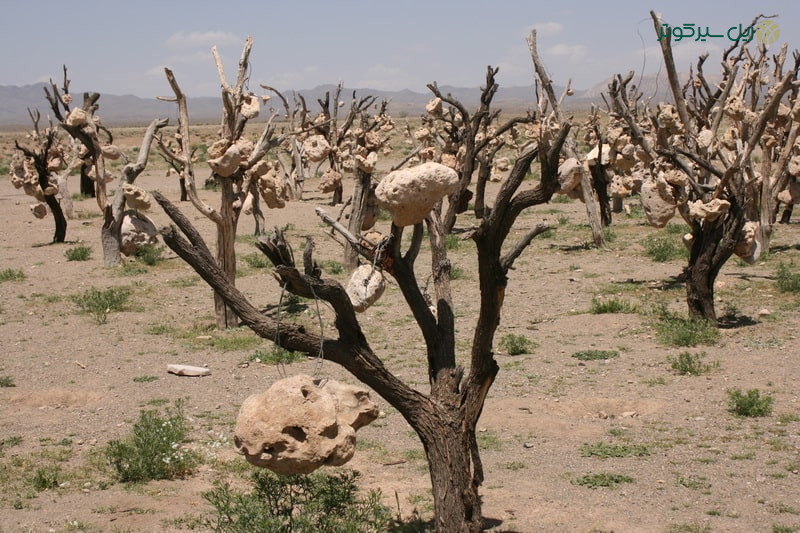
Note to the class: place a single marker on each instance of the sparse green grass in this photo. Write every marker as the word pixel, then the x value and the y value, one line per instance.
pixel 100 302
pixel 144 379
pixel 689 528
pixel 12 274
pixel 149 254
pixel 689 364
pixel 694 482
pixel 78 253
pixel 611 305
pixel 159 329
pixel 595 355
pixel 275 355
pixel 603 479
pixel 661 248
pixel 456 272
pixel 256 260
pixel 317 502
pixel 780 528
pixel 452 241
pixel 7 381
pixel 226 340
pixel 787 279
pixel 673 330
pixel 45 478
pixel 153 449
pixel 333 267
pixel 488 440
pixel 606 449
pixel 516 344
pixel 750 404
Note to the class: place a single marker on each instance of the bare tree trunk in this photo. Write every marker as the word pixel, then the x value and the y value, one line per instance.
pixel 60 234
pixel 360 196
pixel 226 253
pixel 786 216
pixel 258 214
pixel 712 245
pixel 184 192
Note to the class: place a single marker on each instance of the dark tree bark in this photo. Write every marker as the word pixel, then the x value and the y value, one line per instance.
pixel 87 184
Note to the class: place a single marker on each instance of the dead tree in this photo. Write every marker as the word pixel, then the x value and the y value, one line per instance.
pixel 711 176
pixel 237 164
pixel 445 418
pixel 34 169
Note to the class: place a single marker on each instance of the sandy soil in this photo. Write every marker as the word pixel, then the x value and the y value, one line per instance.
pixel 706 469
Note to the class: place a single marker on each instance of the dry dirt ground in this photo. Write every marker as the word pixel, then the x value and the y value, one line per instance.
pixel 78 384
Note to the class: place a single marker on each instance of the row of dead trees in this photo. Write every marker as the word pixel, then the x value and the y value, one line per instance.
pixel 721 156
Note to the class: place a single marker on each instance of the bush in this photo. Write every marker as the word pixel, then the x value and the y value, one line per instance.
pixel 595 355
pixel 99 303
pixel 12 274
pixel 318 502
pixel 662 249
pixel 594 481
pixel 751 404
pixel 516 344
pixel 611 305
pixel 79 253
pixel 687 364
pixel 256 260
pixel 276 355
pixel 787 279
pixel 149 254
pixel 153 450
pixel 676 331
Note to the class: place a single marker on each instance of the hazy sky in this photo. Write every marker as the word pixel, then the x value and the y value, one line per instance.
pixel 121 47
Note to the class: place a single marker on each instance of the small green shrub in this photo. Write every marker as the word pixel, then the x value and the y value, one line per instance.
pixel 333 267
pixel 256 260
pixel 787 279
pixel 7 381
pixel 78 253
pixel 456 272
pixel 595 355
pixel 688 364
pixel 45 478
pixel 516 344
pixel 144 379
pixel 677 331
pixel 317 502
pixel 750 404
pixel 604 479
pixel 661 249
pixel 611 305
pixel 149 254
pixel 605 449
pixel 12 274
pixel 452 241
pixel 99 303
pixel 153 449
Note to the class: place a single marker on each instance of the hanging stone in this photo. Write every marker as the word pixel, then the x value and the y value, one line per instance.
pixel 298 425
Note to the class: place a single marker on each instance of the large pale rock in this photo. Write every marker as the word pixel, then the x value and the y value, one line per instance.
pixel 77 117
pixel 111 151
pixel 747 246
pixel 330 181
pixel 570 174
pixel 296 426
pixel 434 107
pixel 136 197
pixel 135 231
pixel 316 148
pixel 365 287
pixel 228 163
pixel 410 194
pixel 39 210
pixel 709 211
pixel 794 166
pixel 659 207
pixel 372 211
pixel 790 195
pixel 250 106
pixel 273 190
pixel 594 155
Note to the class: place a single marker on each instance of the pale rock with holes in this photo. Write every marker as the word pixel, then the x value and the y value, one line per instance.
pixel 300 424
pixel 316 148
pixel 136 197
pixel 748 247
pixel 365 287
pixel 409 194
pixel 136 230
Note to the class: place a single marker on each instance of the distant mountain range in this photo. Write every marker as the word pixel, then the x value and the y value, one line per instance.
pixel 132 110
